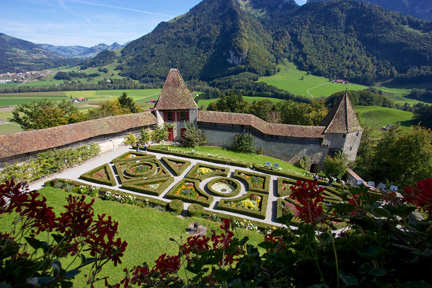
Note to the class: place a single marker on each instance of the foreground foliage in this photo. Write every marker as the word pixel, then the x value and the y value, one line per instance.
pixel 386 243
pixel 27 261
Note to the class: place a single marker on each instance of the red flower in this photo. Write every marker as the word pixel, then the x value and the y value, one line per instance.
pixel 309 196
pixel 420 195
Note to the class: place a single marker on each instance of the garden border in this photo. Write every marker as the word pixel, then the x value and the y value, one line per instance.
pixel 224 195
pixel 111 181
pixel 224 173
pixel 180 171
pixel 141 156
pixel 132 185
pixel 267 179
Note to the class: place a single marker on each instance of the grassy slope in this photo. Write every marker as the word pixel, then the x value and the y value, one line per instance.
pixel 252 158
pixel 147 231
pixel 382 116
pixel 289 79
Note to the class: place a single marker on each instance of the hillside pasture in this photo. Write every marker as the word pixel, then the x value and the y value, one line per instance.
pixel 206 102
pixel 382 116
pixel 290 79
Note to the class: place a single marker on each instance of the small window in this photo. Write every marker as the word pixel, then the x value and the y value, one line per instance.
pixel 169 116
pixel 350 148
pixel 343 136
pixel 357 134
pixel 183 116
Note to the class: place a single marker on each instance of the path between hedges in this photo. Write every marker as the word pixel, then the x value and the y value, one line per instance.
pixel 106 157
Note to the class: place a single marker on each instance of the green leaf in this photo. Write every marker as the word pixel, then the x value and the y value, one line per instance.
pixel 318 286
pixel 347 278
pixel 71 273
pixel 36 244
pixel 380 212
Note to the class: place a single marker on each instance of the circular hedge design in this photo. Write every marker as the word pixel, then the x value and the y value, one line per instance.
pixel 234 183
pixel 141 169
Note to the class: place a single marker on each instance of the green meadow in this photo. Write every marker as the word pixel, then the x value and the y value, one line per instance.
pixel 298 82
pixel 382 116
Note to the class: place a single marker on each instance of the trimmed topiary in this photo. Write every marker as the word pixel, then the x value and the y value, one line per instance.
pixel 177 166
pixel 157 171
pixel 229 181
pixel 195 210
pixel 154 186
pixel 176 206
pixel 133 156
pixel 102 175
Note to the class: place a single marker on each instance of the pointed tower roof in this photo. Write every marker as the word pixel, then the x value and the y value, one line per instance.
pixel 175 95
pixel 341 118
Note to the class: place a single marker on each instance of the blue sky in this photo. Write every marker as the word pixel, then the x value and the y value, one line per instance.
pixel 87 22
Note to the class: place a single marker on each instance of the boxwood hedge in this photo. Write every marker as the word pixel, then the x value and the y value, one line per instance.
pixel 261 214
pixel 266 187
pixel 136 156
pixel 137 185
pixel 218 171
pixel 176 206
pixel 110 180
pixel 221 194
pixel 181 169
pixel 205 202
pixel 195 210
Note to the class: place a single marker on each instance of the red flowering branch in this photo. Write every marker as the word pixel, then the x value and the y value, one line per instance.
pixel 75 231
pixel 308 196
pixel 420 195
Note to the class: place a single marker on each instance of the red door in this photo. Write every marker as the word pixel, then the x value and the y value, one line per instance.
pixel 182 131
pixel 170 134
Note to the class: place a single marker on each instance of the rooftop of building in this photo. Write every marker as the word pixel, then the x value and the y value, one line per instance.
pixel 175 95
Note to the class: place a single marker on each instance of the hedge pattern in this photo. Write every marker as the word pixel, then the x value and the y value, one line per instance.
pixel 110 180
pixel 136 156
pixel 223 205
pixel 104 190
pixel 280 203
pixel 126 177
pixel 223 172
pixel 195 210
pixel 221 194
pixel 177 171
pixel 204 158
pixel 176 206
pixel 266 187
pixel 136 185
pixel 204 202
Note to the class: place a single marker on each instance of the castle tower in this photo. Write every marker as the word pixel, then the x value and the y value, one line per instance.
pixel 176 104
pixel 343 130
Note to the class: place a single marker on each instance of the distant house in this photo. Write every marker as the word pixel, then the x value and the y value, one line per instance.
pixel 152 101
pixel 79 99
pixel 341 81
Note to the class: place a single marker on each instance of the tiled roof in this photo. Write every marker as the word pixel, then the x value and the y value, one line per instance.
pixel 39 140
pixel 297 131
pixel 342 118
pixel 175 95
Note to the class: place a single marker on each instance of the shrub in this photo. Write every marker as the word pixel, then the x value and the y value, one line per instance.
pixel 203 171
pixel 195 210
pixel 256 182
pixel 130 139
pixel 243 143
pixel 193 137
pixel 337 165
pixel 176 206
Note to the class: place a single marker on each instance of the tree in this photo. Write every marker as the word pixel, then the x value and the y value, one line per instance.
pixel 243 143
pixel 337 165
pixel 130 139
pixel 403 157
pixel 193 137
pixel 106 109
pixel 262 109
pixel 129 104
pixel 46 114
pixel 145 135
pixel 160 133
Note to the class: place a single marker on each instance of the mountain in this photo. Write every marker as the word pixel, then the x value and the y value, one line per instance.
pixel 421 9
pixel 17 55
pixel 356 41
pixel 81 51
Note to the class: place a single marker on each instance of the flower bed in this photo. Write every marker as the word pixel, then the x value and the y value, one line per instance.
pixel 141 169
pixel 232 182
pixel 101 175
pixel 284 207
pixel 133 156
pixel 251 204
pixel 189 191
pixel 256 182
pixel 284 186
pixel 155 186
pixel 177 166
pixel 203 171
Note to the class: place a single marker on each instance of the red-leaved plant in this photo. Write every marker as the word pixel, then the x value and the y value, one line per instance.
pixel 28 261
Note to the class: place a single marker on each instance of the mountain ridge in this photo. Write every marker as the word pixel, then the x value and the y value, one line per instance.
pixel 77 51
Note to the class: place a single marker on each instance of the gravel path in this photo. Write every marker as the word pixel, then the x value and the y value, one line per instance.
pixel 106 157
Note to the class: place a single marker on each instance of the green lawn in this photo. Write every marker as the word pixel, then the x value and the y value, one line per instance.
pixel 147 231
pixel 289 79
pixel 383 116
pixel 237 156
pixel 6 129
